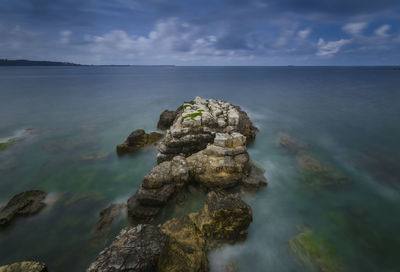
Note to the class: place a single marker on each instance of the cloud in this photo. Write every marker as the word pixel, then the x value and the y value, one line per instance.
pixel 304 33
pixel 382 30
pixel 355 28
pixel 65 36
pixel 328 49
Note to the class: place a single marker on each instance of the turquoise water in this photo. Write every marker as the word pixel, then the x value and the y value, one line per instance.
pixel 348 117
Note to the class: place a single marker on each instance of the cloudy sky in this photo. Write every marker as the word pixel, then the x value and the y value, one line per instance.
pixel 202 32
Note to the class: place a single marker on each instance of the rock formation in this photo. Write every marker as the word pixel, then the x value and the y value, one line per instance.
pixel 205 143
pixel 24 267
pixel 180 244
pixel 137 140
pixel 167 118
pixel 198 149
pixel 197 123
pixel 23 204
pixel 134 249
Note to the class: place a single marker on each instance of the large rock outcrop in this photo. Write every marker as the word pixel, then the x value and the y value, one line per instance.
pixel 204 145
pixel 137 140
pixel 180 244
pixel 196 124
pixel 24 267
pixel 23 204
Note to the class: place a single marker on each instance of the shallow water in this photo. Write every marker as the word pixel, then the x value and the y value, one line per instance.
pixel 348 117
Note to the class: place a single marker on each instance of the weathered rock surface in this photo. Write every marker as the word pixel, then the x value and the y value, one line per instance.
pixel 185 249
pixel 198 149
pixel 107 216
pixel 225 164
pixel 24 267
pixel 197 123
pixel 137 140
pixel 23 204
pixel 167 118
pixel 180 244
pixel 134 249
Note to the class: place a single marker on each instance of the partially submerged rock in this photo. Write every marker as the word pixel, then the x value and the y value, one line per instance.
pixel 315 251
pixel 134 249
pixel 24 267
pixel 23 204
pixel 167 118
pixel 185 249
pixel 137 140
pixel 225 218
pixel 107 216
pixel 180 244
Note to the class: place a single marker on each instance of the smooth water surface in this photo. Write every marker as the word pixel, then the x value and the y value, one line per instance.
pixel 348 117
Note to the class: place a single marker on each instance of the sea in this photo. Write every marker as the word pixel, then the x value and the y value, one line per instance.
pixel 67 122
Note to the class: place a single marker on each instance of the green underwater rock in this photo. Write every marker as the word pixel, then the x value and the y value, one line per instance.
pixel 8 143
pixel 315 251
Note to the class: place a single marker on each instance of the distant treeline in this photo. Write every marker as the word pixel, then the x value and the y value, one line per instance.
pixel 6 62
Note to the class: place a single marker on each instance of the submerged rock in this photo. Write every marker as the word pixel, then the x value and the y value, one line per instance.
pixel 95 156
pixel 24 267
pixel 167 118
pixel 134 249
pixel 291 144
pixel 315 251
pixel 316 174
pixel 23 204
pixel 107 216
pixel 137 140
pixel 6 144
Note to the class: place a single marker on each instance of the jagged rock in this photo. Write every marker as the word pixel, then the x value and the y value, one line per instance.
pixel 107 216
pixel 197 123
pixel 180 244
pixel 158 187
pixel 137 140
pixel 167 118
pixel 185 248
pixel 23 204
pixel 135 249
pixel 24 267
pixel 223 164
pixel 255 179
pixel 225 218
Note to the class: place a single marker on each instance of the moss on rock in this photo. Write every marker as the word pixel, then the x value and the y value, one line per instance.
pixel 7 144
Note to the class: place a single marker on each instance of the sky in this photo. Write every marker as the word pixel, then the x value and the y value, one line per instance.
pixel 202 32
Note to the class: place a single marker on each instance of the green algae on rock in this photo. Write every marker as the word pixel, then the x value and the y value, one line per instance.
pixel 8 143
pixel 24 267
pixel 94 156
pixel 315 251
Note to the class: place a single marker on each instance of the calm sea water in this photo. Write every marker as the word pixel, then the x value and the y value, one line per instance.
pixel 348 116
